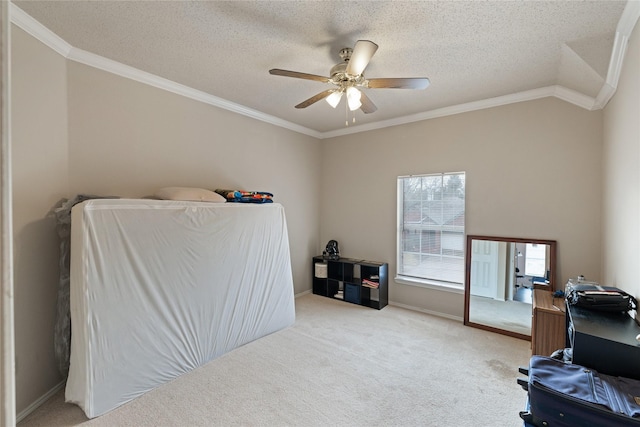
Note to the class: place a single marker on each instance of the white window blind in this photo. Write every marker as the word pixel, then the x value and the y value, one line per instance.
pixel 431 218
pixel 535 260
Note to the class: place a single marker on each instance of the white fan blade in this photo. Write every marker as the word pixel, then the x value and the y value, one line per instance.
pixel 362 53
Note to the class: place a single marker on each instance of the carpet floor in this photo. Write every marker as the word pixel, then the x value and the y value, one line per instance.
pixel 339 365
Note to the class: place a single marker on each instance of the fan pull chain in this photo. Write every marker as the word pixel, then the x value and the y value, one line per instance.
pixel 346 113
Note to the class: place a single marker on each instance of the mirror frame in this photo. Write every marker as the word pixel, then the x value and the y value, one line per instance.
pixel 467 278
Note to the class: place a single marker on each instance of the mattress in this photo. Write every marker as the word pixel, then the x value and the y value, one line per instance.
pixel 159 288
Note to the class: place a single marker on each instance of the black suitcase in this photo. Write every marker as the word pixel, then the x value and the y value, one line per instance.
pixel 568 395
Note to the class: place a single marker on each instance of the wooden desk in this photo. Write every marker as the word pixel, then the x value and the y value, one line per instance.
pixel 548 328
pixel 542 285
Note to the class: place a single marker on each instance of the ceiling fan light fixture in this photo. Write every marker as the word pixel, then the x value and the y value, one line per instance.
pixel 348 77
pixel 353 98
pixel 334 98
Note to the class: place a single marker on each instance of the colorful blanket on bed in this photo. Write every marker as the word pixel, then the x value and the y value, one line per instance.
pixel 242 196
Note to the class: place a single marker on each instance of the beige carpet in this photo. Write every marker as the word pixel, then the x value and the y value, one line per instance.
pixel 339 365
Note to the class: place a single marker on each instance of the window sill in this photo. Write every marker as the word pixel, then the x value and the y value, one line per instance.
pixel 430 284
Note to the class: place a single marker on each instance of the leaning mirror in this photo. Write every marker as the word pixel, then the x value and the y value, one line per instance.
pixel 500 276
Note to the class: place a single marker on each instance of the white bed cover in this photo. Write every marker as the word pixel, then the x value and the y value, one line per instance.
pixel 159 288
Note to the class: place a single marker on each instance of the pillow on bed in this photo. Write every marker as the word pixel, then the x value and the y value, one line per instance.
pixel 189 194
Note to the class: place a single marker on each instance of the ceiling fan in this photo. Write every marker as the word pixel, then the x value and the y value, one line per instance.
pixel 348 77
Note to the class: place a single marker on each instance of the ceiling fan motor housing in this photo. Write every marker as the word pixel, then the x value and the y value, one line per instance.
pixel 339 74
pixel 339 71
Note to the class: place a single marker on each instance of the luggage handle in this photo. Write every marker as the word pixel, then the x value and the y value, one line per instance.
pixel 526 416
pixel 524 383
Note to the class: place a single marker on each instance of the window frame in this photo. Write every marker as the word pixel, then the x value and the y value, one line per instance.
pixel 426 282
pixel 530 259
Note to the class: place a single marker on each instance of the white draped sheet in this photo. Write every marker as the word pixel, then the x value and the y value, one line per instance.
pixel 159 288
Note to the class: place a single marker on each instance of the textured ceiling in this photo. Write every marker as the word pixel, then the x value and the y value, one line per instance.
pixel 470 50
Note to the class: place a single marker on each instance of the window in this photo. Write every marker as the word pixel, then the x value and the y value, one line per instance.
pixel 431 228
pixel 535 260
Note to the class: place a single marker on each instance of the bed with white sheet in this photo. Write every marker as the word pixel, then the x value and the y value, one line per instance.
pixel 159 288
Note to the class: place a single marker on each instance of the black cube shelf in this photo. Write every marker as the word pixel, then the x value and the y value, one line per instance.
pixel 352 280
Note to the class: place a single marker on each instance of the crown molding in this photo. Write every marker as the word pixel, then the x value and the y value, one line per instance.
pixel 114 67
pixel 574 97
pixel 606 93
pixel 53 41
pixel 20 18
pixel 628 20
pixel 560 92
pixel 617 57
pixel 629 17
pixel 626 24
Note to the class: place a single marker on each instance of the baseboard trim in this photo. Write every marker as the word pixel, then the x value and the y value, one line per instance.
pixel 407 307
pixel 423 310
pixel 308 291
pixel 35 405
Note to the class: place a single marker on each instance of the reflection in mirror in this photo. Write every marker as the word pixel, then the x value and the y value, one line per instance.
pixel 500 276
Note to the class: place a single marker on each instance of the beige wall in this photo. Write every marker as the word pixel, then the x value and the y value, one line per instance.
pixel 621 188
pixel 129 139
pixel 80 130
pixel 533 171
pixel 40 179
